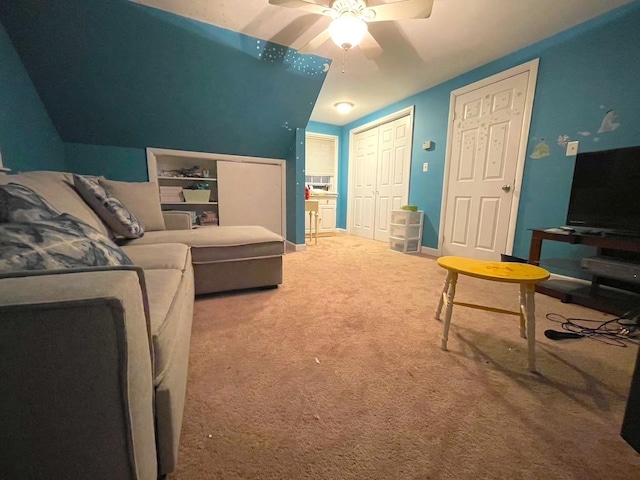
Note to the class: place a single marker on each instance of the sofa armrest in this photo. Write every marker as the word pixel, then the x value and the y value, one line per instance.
pixel 75 357
pixel 177 220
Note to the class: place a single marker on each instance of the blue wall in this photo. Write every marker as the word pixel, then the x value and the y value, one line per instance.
pixel 324 128
pixel 117 77
pixel 116 163
pixel 584 72
pixel 28 139
pixel 295 189
pixel 112 72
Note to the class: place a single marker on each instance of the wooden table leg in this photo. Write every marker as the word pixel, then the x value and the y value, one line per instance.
pixel 523 310
pixel 531 326
pixel 451 292
pixel 535 249
pixel 445 288
pixel 316 234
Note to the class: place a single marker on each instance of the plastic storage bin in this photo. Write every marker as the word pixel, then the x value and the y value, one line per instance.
pixel 405 232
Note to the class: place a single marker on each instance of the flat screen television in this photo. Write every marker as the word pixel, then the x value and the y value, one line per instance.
pixel 605 193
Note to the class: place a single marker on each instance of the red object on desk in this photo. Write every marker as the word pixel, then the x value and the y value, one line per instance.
pixel 306 193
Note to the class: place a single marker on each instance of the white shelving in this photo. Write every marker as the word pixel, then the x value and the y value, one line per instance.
pixel 189 179
pixel 243 190
pixel 405 233
pixel 188 203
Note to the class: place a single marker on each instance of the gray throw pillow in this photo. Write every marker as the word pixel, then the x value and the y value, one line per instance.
pixel 62 242
pixel 109 208
pixel 21 204
pixel 141 198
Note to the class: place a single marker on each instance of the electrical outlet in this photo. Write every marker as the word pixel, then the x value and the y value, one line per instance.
pixel 425 167
pixel 572 148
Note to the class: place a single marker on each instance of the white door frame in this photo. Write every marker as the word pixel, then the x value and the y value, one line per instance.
pixel 352 151
pixel 532 68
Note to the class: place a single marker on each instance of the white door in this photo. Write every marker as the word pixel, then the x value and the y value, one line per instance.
pixel 364 183
pixel 394 165
pixel 487 131
pixel 250 194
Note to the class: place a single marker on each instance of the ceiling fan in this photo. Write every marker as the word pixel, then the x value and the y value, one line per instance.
pixel 349 19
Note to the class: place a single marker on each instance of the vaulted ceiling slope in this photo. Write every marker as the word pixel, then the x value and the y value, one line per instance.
pixel 111 72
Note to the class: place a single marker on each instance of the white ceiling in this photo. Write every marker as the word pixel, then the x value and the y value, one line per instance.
pixel 418 54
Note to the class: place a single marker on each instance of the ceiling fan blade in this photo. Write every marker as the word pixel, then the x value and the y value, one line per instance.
pixel 297 28
pixel 370 47
pixel 306 5
pixel 402 10
pixel 315 42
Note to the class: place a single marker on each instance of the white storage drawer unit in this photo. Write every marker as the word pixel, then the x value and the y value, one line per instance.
pixel 405 233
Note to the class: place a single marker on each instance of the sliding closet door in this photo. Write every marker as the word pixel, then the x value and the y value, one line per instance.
pixel 250 194
pixel 380 183
pixel 394 162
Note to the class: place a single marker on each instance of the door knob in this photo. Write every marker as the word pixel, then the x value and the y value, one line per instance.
pixel 506 187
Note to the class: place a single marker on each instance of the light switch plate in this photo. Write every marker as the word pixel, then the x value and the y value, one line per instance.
pixel 572 148
pixel 425 167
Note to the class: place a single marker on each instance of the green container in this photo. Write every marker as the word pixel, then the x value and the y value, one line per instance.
pixel 410 208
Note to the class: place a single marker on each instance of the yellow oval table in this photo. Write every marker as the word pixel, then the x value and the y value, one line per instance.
pixel 521 273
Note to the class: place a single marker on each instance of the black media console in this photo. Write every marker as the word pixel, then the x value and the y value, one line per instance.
pixel 599 295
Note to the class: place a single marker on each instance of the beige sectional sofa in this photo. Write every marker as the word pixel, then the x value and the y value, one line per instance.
pixel 93 362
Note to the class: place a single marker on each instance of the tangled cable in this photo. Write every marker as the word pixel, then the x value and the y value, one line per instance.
pixel 618 332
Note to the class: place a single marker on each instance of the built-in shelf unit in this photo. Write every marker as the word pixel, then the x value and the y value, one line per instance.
pixel 243 190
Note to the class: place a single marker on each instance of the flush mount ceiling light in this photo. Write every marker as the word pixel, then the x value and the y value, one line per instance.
pixel 348 30
pixel 344 107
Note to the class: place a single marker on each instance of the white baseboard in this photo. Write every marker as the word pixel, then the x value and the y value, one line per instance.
pixel 341 230
pixel 294 247
pixel 433 252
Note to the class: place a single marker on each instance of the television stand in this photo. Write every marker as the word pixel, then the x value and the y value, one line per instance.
pixel 618 233
pixel 603 294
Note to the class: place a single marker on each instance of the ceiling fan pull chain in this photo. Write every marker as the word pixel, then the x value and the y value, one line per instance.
pixel 344 60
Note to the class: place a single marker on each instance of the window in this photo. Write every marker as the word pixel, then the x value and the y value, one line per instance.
pixel 321 154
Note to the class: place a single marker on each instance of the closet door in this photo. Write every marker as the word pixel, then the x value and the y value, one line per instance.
pixel 250 194
pixel 394 162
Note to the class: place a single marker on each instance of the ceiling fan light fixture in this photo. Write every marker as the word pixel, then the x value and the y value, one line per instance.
pixel 344 107
pixel 347 31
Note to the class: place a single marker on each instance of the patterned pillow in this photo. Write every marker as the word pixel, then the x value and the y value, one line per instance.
pixel 109 209
pixel 58 243
pixel 21 204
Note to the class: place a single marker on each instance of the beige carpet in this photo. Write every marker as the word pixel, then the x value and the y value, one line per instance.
pixel 384 402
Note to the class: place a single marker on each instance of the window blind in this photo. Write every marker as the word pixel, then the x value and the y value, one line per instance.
pixel 320 156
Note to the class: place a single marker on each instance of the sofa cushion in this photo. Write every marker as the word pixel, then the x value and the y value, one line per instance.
pixel 109 208
pixel 59 243
pixel 219 244
pixel 22 205
pixel 141 198
pixel 57 189
pixel 162 256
